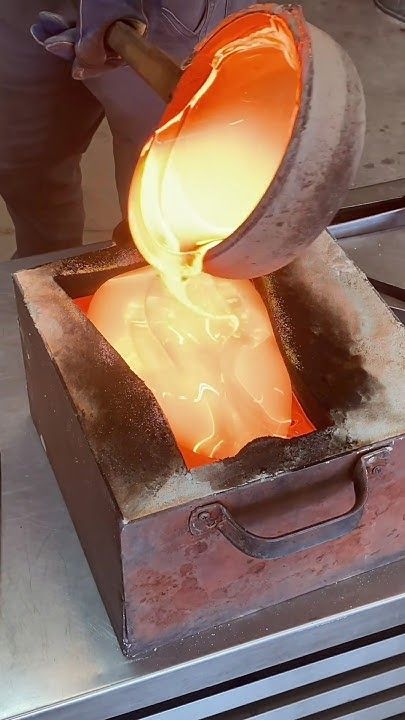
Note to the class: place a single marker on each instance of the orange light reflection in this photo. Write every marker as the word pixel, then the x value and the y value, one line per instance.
pixel 204 345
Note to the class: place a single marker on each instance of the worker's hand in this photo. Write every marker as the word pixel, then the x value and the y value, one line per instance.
pixel 95 17
pixel 56 34
pixel 81 39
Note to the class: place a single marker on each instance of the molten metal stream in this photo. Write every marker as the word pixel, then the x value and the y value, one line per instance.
pixel 204 345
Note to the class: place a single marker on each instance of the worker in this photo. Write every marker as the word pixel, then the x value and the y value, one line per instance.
pixel 55 92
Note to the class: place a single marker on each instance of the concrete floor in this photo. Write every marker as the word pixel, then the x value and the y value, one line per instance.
pixel 376 46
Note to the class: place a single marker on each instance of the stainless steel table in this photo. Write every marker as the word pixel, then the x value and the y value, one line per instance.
pixel 59 658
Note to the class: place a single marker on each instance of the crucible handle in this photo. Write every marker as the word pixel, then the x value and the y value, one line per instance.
pixel 157 68
pixel 215 516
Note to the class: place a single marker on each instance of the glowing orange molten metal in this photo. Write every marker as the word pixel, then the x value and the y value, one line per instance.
pixel 220 380
pixel 204 345
pixel 218 146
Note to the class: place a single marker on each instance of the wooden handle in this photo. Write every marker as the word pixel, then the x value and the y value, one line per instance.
pixel 152 64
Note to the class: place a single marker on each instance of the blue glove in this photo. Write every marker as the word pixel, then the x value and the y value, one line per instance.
pixel 56 34
pixel 81 39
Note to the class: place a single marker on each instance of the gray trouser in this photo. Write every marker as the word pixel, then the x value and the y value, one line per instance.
pixel 47 120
